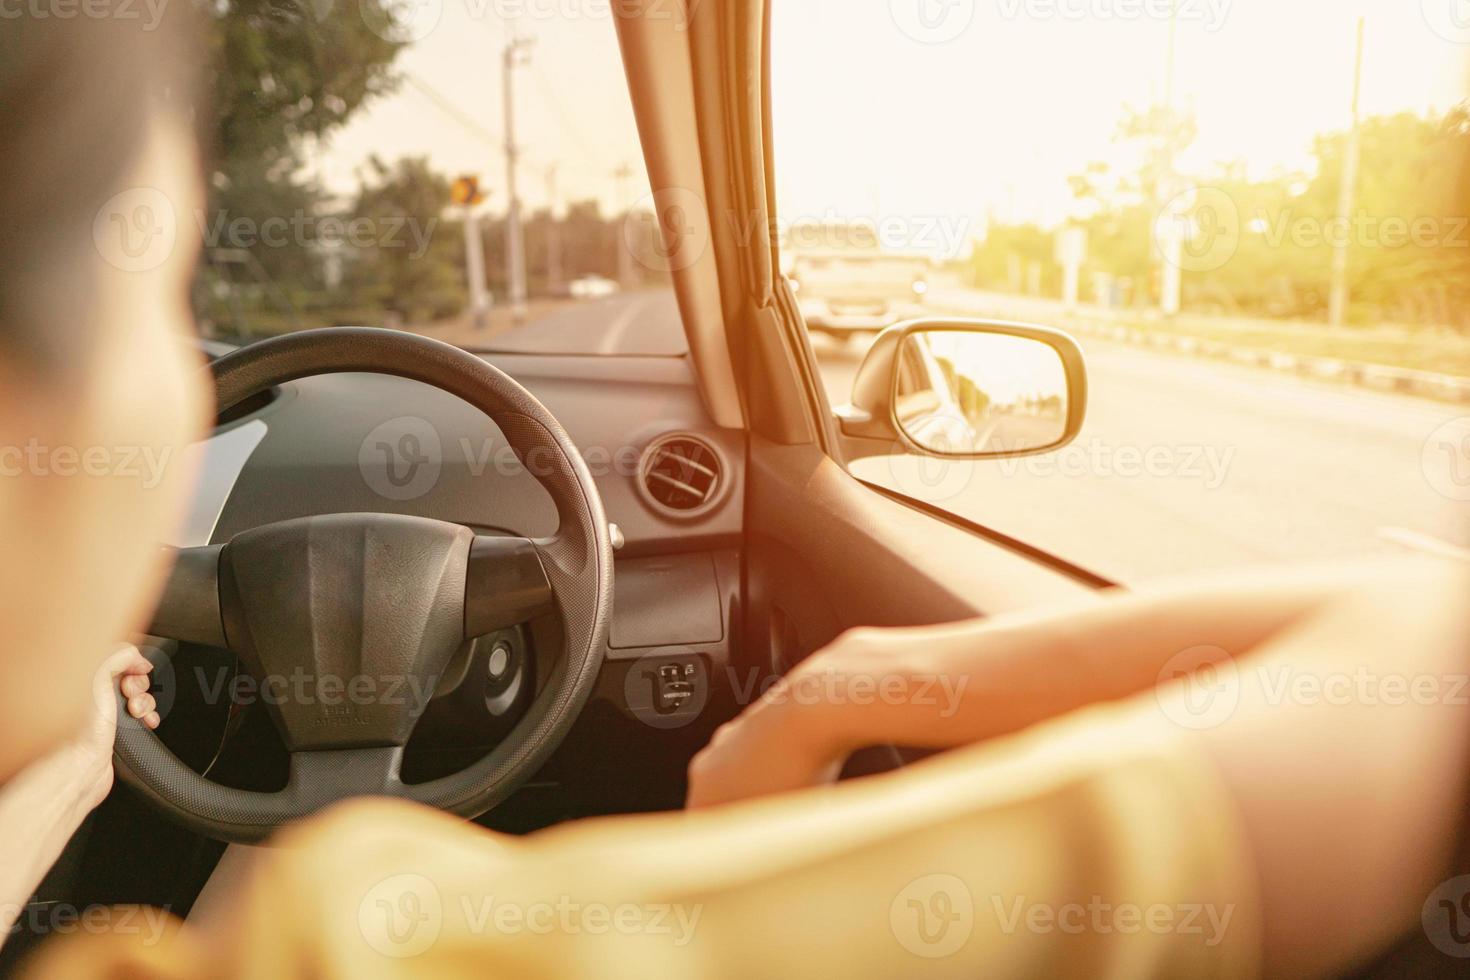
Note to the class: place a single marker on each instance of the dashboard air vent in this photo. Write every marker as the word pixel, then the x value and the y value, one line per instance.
pixel 681 475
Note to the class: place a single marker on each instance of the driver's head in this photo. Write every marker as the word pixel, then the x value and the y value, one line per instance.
pixel 99 391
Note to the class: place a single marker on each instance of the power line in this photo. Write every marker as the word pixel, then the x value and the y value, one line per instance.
pixel 450 109
pixel 562 114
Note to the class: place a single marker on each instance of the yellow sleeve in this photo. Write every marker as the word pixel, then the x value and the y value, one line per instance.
pixel 1076 850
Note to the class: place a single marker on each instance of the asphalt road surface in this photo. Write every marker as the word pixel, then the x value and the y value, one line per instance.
pixel 1183 465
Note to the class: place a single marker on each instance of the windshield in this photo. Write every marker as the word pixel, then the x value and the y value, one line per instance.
pixel 448 168
pixel 1251 214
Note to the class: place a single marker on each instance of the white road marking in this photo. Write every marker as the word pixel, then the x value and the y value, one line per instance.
pixel 619 326
pixel 1415 541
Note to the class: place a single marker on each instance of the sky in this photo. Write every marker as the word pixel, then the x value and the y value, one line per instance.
pixel 917 109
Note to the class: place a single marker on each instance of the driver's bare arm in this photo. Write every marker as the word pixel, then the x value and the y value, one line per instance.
pixel 1343 741
pixel 955 684
pixel 46 802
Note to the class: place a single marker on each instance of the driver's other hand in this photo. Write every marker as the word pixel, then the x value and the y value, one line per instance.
pixel 782 742
pixel 86 761
pixel 130 669
pixel 127 670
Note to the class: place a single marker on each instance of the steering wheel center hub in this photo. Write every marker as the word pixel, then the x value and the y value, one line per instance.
pixel 346 621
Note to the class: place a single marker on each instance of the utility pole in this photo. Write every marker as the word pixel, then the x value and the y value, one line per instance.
pixel 1347 198
pixel 465 191
pixel 1171 248
pixel 553 234
pixel 474 257
pixel 517 53
pixel 623 174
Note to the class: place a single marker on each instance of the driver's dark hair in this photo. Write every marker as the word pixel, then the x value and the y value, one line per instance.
pixel 77 95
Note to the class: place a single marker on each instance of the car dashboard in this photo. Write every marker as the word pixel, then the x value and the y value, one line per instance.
pixel 671 482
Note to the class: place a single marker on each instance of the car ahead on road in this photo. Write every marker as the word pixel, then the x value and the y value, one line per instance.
pixel 592 287
pixel 848 291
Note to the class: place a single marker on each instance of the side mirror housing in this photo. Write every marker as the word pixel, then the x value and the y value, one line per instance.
pixel 966 389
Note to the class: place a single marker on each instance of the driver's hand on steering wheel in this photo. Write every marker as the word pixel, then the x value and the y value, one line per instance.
pixel 126 670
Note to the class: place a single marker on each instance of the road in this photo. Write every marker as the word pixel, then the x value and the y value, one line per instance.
pixel 1183 465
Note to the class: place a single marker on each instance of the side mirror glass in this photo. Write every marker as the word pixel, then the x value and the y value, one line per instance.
pixel 967 388
pixel 968 393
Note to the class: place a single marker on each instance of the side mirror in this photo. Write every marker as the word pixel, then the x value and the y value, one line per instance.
pixel 967 389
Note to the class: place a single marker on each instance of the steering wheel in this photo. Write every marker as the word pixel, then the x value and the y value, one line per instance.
pixel 383 601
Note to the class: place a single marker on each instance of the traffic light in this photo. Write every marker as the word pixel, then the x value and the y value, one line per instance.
pixel 466 190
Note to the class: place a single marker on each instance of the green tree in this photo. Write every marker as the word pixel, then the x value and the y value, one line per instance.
pixel 404 259
pixel 285 73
